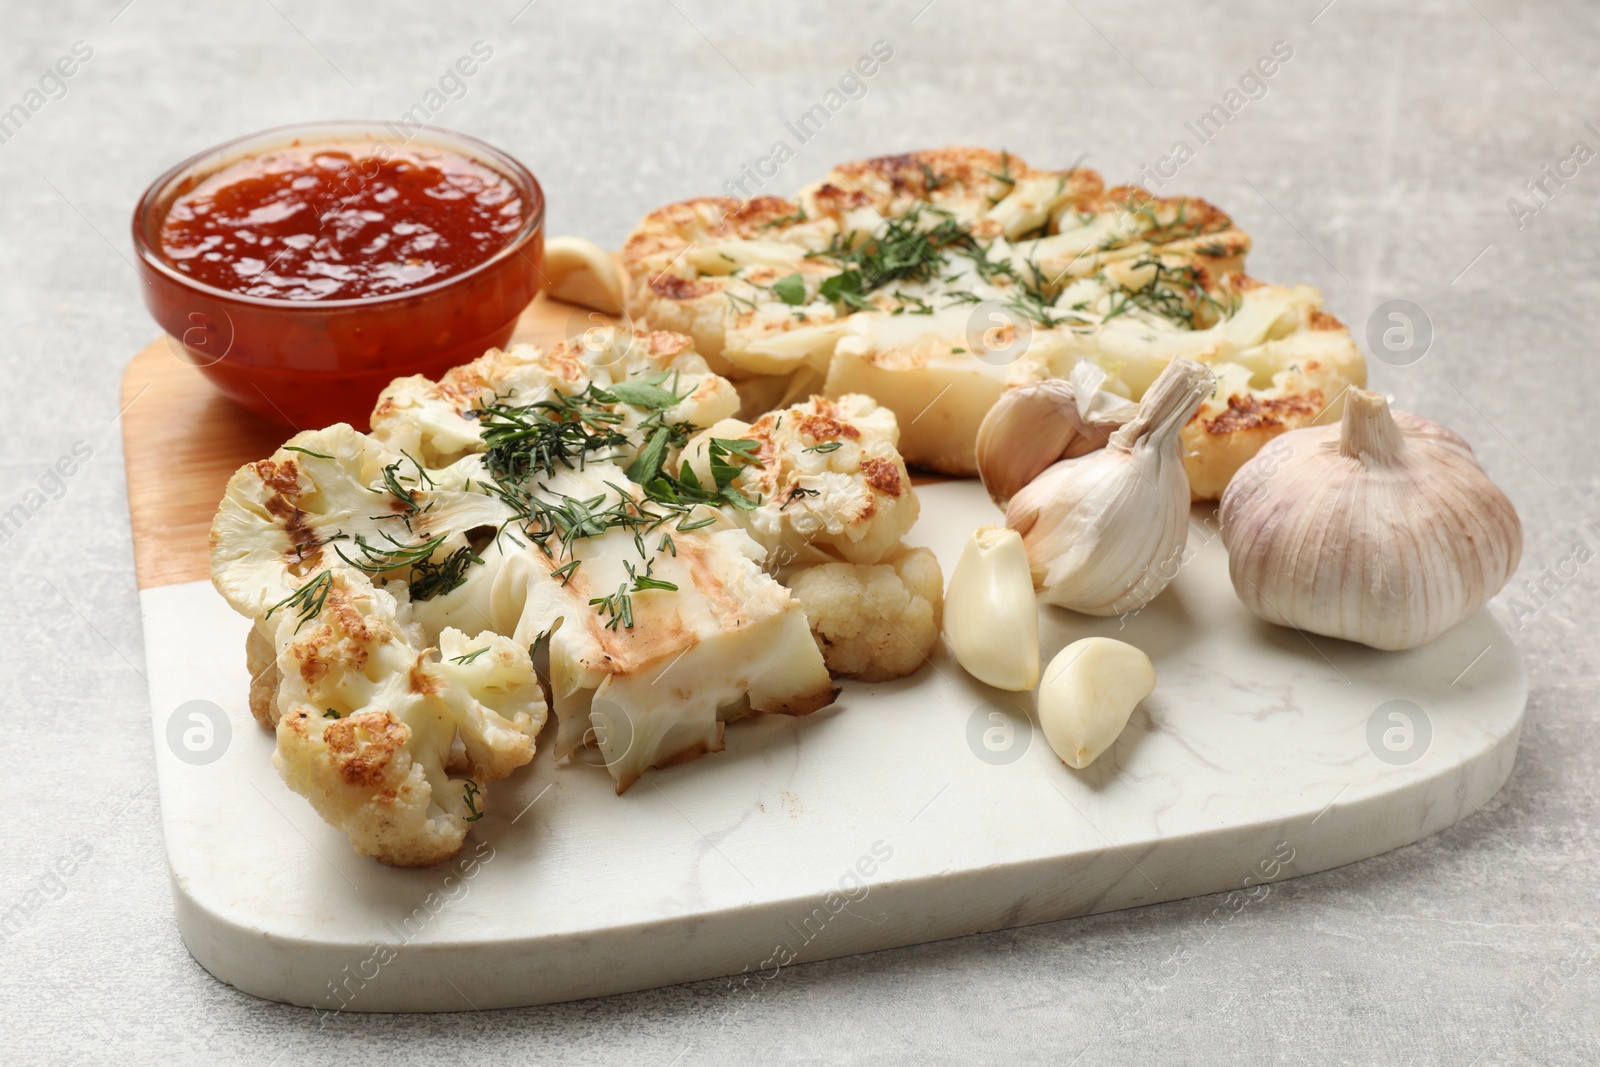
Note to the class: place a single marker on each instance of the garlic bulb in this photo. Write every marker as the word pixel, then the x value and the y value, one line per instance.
pixel 1034 425
pixel 1383 529
pixel 1104 531
pixel 1090 689
pixel 991 620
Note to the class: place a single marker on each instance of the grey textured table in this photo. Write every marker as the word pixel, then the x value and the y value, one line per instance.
pixel 1376 163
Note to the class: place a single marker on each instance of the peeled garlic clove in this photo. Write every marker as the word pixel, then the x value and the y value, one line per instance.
pixel 1383 530
pixel 1034 425
pixel 1104 532
pixel 580 272
pixel 991 620
pixel 1090 689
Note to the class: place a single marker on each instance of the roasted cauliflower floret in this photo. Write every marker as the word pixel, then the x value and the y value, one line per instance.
pixel 438 421
pixel 828 477
pixel 261 660
pixel 270 528
pixel 372 725
pixel 337 497
pixel 874 622
pixel 542 498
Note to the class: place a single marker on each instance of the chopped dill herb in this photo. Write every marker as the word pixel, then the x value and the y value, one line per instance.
pixel 1004 178
pixel 798 493
pixel 429 579
pixel 785 220
pixel 308 599
pixel 618 606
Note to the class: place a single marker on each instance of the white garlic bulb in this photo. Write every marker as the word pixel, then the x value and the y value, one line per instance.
pixel 1032 426
pixel 1104 531
pixel 1383 530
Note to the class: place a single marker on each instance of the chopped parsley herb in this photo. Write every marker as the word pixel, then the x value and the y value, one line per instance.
pixel 728 458
pixel 901 252
pixel 645 393
pixel 791 290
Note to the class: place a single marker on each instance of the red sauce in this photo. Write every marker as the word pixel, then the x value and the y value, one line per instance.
pixel 328 222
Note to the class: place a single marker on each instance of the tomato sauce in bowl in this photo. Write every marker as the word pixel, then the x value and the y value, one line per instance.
pixel 304 269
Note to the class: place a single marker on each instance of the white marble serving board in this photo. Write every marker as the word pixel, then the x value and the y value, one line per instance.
pixel 911 811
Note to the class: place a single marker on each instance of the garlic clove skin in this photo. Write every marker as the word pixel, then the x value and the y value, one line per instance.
pixel 1025 432
pixel 1100 412
pixel 581 272
pixel 1034 425
pixel 1090 690
pixel 991 619
pixel 1383 530
pixel 1104 532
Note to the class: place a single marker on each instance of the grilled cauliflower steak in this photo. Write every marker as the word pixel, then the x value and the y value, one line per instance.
pixel 372 725
pixel 936 280
pixel 594 500
pixel 1281 363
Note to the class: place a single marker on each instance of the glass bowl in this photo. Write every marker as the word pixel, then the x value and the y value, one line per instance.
pixel 309 363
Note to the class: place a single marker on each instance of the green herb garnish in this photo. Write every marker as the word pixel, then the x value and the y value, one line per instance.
pixel 308 599
pixel 791 290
